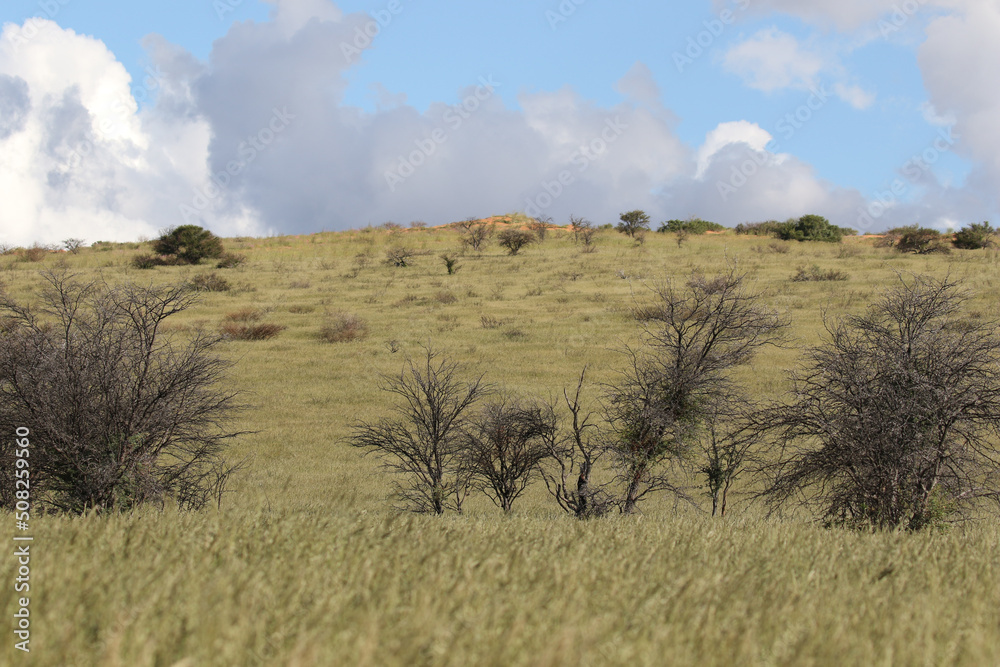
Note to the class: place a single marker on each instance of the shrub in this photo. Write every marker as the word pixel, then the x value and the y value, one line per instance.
pixel 243 331
pixel 919 240
pixel 810 228
pixel 209 282
pixel 230 260
pixel 343 328
pixel 399 256
pixel 248 314
pixel 120 412
pixel 450 263
pixel 633 223
pixel 515 239
pixel 892 422
pixel 976 237
pixel 816 274
pixel 476 234
pixel 691 226
pixel 35 253
pixel 767 228
pixel 146 261
pixel 73 245
pixel 189 243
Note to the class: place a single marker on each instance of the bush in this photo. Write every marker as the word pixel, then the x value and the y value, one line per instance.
pixel 35 253
pixel 767 228
pixel 918 240
pixel 343 328
pixel 120 413
pixel 691 226
pixel 73 245
pixel 245 315
pixel 976 237
pixel 816 274
pixel 810 228
pixel 230 260
pixel 633 223
pixel 189 243
pixel 242 331
pixel 209 282
pixel 146 261
pixel 515 239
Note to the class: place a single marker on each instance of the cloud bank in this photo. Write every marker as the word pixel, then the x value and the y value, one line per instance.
pixel 258 139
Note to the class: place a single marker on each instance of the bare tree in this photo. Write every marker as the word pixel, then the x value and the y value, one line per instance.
pixel 540 227
pixel 583 232
pixel 575 457
pixel 120 413
pixel 693 338
pixel 503 446
pixel 476 234
pixel 424 443
pixel 895 417
pixel 399 256
pixel 515 239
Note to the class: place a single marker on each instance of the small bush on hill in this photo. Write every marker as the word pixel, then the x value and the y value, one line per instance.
pixel 811 228
pixel 189 243
pixel 767 228
pixel 816 274
pixel 343 328
pixel 515 239
pixel 209 282
pixel 244 331
pixel 976 237
pixel 692 226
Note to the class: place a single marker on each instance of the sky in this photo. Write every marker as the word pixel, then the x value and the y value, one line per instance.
pixel 119 119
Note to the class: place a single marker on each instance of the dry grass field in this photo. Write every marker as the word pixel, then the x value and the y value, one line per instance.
pixel 306 563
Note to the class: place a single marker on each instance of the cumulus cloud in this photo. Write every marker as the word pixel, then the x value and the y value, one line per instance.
pixel 771 60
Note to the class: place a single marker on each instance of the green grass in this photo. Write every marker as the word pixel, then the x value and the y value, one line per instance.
pixel 306 564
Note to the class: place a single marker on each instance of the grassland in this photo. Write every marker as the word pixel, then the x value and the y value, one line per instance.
pixel 306 564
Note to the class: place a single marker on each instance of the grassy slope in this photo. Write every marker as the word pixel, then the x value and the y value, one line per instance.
pixel 306 565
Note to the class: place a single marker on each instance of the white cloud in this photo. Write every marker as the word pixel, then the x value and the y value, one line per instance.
pixel 856 96
pixel 844 15
pixel 727 134
pixel 772 60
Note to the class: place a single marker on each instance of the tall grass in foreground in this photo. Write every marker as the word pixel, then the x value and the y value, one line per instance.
pixel 315 588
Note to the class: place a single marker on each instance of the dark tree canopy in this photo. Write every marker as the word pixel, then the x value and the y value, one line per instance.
pixel 633 223
pixel 189 243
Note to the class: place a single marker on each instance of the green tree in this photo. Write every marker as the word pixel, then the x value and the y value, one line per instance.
pixel 976 237
pixel 189 243
pixel 633 222
pixel 811 228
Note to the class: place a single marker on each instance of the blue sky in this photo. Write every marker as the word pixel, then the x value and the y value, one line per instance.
pixel 734 111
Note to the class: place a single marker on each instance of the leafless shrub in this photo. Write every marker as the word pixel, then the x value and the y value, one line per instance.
pixel 35 253
pixel 209 282
pixel 445 297
pixel 299 284
pixel 780 247
pixel 515 334
pixel 248 314
pixel 230 260
pixel 540 227
pixel 301 309
pixel 476 235
pixel 816 274
pixel 503 445
pixel 423 443
pixel 515 239
pixel 120 413
pixel 572 456
pixel 399 256
pixel 894 419
pixel 343 328
pixel 730 444
pixel 490 322
pixel 418 224
pixel 245 331
pixel 73 245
